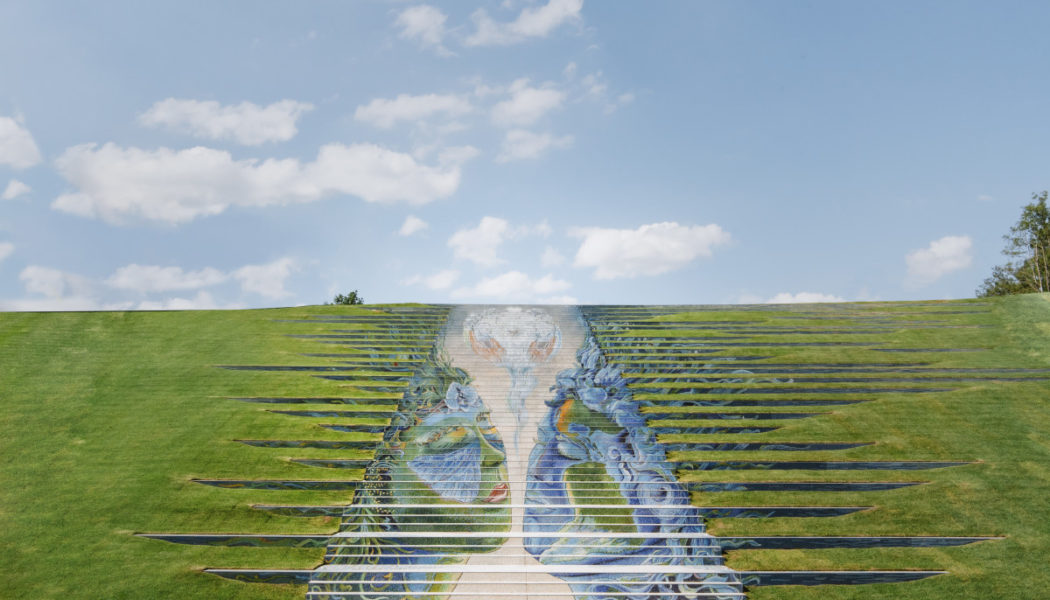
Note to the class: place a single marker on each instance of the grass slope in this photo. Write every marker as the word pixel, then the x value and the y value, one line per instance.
pixel 107 416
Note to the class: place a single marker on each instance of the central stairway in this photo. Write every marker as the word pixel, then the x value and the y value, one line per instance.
pixel 500 489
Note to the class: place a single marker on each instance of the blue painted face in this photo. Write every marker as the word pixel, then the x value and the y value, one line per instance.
pixel 456 455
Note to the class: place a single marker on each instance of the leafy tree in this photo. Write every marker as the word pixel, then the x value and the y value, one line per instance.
pixel 1028 246
pixel 347 299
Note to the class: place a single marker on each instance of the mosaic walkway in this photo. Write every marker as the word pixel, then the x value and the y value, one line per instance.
pixel 574 452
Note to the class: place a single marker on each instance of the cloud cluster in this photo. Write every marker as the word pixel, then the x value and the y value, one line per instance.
pixel 648 250
pixel 532 22
pixel 267 280
pixel 480 245
pixel 526 104
pixel 6 249
pixel 176 186
pixel 521 144
pixel 425 24
pixel 14 189
pixel 245 123
pixel 803 298
pixel 412 226
pixel 17 147
pixel 386 113
pixel 517 286
pixel 945 255
pixel 152 278
pixel 54 289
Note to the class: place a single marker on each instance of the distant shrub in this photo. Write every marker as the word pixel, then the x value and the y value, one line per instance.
pixel 348 299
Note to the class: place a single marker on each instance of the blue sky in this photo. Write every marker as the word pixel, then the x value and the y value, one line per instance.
pixel 206 155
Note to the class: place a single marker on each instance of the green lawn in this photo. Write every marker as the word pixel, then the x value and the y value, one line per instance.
pixel 107 416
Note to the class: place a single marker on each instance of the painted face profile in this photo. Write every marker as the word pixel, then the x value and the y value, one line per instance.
pixel 452 474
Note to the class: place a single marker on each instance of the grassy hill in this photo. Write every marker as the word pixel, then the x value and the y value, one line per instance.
pixel 107 417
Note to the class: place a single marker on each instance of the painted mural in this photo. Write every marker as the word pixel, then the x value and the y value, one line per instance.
pixel 554 451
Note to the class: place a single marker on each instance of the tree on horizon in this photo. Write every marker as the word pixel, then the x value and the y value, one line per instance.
pixel 1028 246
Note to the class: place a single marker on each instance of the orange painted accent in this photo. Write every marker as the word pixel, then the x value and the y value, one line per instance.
pixel 540 352
pixel 490 349
pixel 563 416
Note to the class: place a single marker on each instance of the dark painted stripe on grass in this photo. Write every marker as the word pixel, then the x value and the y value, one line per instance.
pixel 329 464
pixel 776 403
pixel 241 540
pixel 282 484
pixel 765 578
pixel 796 486
pixel 931 378
pixel 772 512
pixel 278 576
pixel 718 416
pixel 363 363
pixel 738 465
pixel 669 370
pixel 762 447
pixel 357 428
pixel 685 364
pixel 346 413
pixel 712 430
pixel 818 542
pixel 323 444
pixel 318 400
pixel 373 370
pixel 671 391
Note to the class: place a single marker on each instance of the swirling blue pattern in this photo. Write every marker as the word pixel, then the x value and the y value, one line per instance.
pixel 636 462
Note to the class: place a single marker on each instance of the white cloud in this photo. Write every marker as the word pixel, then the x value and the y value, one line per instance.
pixel 552 258
pixel 457 155
pixel 649 250
pixel 526 104
pixel 245 123
pixel 177 186
pixel 17 147
pixel 54 283
pixel 412 224
pixel 425 24
pixel 6 249
pixel 382 112
pixel 594 85
pixel 442 280
pixel 153 278
pixel 520 144
pixel 202 301
pixel 481 244
pixel 942 256
pixel 14 189
pixel 266 280
pixel 531 22
pixel 515 286
pixel 803 298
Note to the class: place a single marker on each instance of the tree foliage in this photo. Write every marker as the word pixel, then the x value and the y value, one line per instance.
pixel 1028 246
pixel 348 299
